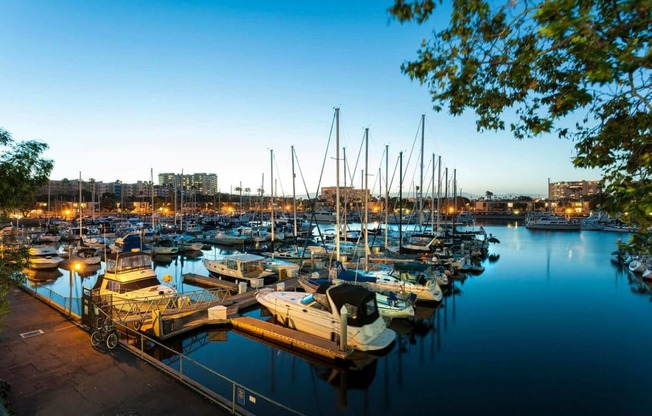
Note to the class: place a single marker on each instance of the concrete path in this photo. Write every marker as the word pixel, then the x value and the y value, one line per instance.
pixel 58 372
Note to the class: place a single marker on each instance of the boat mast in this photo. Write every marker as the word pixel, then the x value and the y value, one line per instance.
pixel 400 202
pixel 432 198
pixel 80 207
pixel 438 194
pixel 420 196
pixel 271 200
pixel 151 180
pixel 294 197
pixel 337 184
pixel 386 195
pixel 366 200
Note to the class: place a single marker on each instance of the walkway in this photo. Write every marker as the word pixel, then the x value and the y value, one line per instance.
pixel 58 372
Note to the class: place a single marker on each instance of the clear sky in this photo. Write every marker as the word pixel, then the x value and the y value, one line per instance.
pixel 118 88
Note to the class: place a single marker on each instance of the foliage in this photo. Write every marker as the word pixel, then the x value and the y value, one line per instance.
pixel 576 69
pixel 22 173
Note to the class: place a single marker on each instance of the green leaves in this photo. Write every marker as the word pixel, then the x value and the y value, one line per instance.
pixel 547 61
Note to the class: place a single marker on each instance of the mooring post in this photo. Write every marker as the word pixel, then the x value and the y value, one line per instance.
pixel 343 328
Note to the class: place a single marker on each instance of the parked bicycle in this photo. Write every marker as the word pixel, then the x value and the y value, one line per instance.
pixel 105 332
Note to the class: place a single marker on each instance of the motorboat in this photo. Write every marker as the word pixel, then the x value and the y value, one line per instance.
pixel 44 257
pixel 551 222
pixel 406 277
pixel 241 267
pixel 318 314
pixel 130 280
pixel 165 246
pixel 389 304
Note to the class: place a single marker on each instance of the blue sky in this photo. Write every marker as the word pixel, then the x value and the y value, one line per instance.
pixel 117 88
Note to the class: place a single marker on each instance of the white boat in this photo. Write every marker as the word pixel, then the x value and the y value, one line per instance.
pixel 282 267
pixel 408 277
pixel 50 236
pixel 241 267
pixel 86 255
pixel 551 222
pixel 323 215
pixel 638 265
pixel 44 257
pixel 130 280
pixel 319 314
pixel 165 246
pixel 389 304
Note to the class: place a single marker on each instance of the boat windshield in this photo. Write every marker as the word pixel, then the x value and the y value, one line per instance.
pixel 118 287
pixel 128 263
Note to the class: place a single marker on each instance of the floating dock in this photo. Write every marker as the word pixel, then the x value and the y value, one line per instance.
pixel 294 340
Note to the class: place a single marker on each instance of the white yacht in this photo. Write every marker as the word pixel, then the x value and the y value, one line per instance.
pixel 319 314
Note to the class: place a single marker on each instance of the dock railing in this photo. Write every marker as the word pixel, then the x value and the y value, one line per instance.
pixel 221 390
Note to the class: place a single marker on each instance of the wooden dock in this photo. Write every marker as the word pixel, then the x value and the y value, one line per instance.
pixel 294 340
pixel 210 281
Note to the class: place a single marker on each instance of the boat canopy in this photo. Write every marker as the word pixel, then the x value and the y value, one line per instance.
pixel 120 262
pixel 359 302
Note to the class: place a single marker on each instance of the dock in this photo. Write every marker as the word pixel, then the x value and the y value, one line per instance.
pixel 290 338
pixel 210 281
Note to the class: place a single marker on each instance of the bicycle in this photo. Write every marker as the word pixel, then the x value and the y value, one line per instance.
pixel 105 332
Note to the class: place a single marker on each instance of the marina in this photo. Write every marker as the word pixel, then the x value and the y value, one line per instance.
pixel 548 326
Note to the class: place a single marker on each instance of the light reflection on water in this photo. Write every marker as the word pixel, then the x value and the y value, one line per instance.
pixel 550 327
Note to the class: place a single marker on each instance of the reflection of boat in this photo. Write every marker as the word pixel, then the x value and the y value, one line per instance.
pixel 241 267
pixel 88 270
pixel 129 276
pixel 41 276
pixel 359 376
pixel 319 314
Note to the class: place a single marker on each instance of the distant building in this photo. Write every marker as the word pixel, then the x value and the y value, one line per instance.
pixel 574 190
pixel 347 194
pixel 202 183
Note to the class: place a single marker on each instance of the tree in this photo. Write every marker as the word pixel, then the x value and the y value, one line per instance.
pixel 577 69
pixel 22 173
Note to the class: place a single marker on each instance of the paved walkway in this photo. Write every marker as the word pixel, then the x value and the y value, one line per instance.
pixel 59 373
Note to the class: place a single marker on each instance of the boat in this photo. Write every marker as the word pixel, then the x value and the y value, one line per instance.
pixel 43 257
pixel 241 267
pixel 405 277
pixel 165 246
pixel 129 278
pixel 318 314
pixel 324 216
pixel 551 222
pixel 389 304
pixel 50 236
pixel 86 255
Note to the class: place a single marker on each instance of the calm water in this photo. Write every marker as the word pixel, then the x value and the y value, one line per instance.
pixel 551 327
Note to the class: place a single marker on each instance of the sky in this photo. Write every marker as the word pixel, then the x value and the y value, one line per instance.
pixel 119 89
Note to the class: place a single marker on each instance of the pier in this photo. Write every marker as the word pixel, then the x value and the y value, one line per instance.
pixel 290 338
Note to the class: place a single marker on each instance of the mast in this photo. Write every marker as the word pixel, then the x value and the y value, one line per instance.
pixel 346 195
pixel 366 208
pixel 151 180
pixel 294 197
pixel 386 195
pixel 432 198
pixel 337 184
pixel 80 206
pixel 420 196
pixel 271 180
pixel 438 194
pixel 400 202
